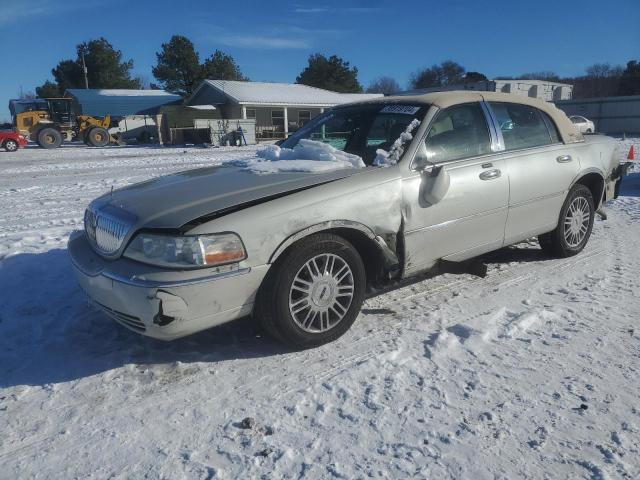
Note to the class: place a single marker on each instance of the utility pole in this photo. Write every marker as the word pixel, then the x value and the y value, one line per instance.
pixel 84 70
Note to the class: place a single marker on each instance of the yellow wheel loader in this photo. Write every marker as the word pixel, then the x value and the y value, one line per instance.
pixel 53 120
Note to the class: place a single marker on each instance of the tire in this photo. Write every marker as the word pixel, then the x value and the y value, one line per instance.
pixel 11 146
pixel 588 131
pixel 320 311
pixel 574 225
pixel 98 137
pixel 49 138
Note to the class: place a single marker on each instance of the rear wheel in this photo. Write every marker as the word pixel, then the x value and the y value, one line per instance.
pixel 314 294
pixel 11 145
pixel 49 138
pixel 574 225
pixel 98 137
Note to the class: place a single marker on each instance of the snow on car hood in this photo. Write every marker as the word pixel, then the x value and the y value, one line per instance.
pixel 307 155
pixel 174 200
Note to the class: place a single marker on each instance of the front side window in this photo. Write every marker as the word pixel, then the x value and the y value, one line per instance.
pixel 361 129
pixel 458 132
pixel 522 126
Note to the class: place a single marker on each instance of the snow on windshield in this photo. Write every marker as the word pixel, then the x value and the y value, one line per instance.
pixel 306 156
pixel 387 158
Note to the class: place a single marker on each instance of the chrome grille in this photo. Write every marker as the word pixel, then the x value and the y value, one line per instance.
pixel 107 228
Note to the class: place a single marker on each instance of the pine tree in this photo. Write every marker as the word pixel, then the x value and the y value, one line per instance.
pixel 178 66
pixel 221 66
pixel 331 73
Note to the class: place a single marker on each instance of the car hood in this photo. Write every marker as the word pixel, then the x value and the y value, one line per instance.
pixel 175 200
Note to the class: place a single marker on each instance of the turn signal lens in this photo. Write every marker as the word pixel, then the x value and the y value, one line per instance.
pixel 222 248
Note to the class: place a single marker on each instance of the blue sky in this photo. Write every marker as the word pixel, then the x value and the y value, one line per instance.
pixel 271 41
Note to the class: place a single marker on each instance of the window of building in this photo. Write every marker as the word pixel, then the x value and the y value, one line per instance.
pixel 277 118
pixel 303 117
pixel 251 113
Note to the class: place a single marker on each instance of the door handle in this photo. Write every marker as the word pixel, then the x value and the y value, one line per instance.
pixel 490 174
pixel 564 158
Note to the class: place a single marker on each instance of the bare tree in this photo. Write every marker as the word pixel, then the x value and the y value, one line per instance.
pixel 446 73
pixel 386 85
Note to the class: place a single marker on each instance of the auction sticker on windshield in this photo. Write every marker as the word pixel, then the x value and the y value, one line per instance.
pixel 406 109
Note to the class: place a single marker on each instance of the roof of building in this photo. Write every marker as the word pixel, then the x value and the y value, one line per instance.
pixel 449 98
pixel 120 102
pixel 282 94
pixel 531 82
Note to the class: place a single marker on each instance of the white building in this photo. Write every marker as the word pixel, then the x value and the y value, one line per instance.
pixel 278 108
pixel 549 91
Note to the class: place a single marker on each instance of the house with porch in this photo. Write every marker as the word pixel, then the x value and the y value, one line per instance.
pixel 277 108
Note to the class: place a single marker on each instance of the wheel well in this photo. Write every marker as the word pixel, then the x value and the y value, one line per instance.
pixel 370 252
pixel 595 183
pixel 367 248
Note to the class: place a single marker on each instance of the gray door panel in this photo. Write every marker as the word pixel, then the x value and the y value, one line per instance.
pixel 539 180
pixel 461 207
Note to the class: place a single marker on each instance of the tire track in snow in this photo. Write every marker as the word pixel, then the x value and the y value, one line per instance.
pixel 310 372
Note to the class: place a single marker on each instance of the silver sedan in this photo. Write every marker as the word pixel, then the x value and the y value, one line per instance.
pixel 414 180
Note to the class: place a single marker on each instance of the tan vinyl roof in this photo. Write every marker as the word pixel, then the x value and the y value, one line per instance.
pixel 567 130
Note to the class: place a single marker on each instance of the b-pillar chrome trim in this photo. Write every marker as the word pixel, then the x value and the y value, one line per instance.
pixel 497 141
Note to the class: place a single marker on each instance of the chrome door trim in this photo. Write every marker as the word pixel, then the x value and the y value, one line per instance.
pixel 456 220
pixel 537 199
pixel 497 141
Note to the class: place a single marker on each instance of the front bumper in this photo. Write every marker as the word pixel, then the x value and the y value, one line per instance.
pixel 162 303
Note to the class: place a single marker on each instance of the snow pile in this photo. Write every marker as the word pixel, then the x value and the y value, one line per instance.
pixel 384 158
pixel 306 156
pixel 534 364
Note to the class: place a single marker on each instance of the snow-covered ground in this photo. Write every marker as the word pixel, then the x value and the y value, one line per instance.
pixel 531 372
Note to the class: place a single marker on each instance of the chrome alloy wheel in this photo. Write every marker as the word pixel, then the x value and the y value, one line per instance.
pixel 576 222
pixel 321 293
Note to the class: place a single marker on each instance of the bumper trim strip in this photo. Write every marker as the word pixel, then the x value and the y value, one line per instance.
pixel 139 282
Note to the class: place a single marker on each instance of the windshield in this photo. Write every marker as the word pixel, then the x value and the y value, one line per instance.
pixel 362 130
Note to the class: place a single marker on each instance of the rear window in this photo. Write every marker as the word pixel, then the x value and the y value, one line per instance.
pixel 523 126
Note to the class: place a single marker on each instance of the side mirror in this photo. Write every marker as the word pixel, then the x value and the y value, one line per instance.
pixel 421 161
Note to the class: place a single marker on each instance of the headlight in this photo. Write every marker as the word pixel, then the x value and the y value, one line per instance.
pixel 188 251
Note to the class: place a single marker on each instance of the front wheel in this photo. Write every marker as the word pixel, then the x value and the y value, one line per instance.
pixel 11 145
pixel 574 225
pixel 98 137
pixel 49 138
pixel 314 293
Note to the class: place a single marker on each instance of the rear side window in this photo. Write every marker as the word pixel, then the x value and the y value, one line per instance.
pixel 458 132
pixel 523 126
pixel 551 126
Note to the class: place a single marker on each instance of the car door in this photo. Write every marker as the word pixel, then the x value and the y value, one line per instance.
pixel 540 169
pixel 455 195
